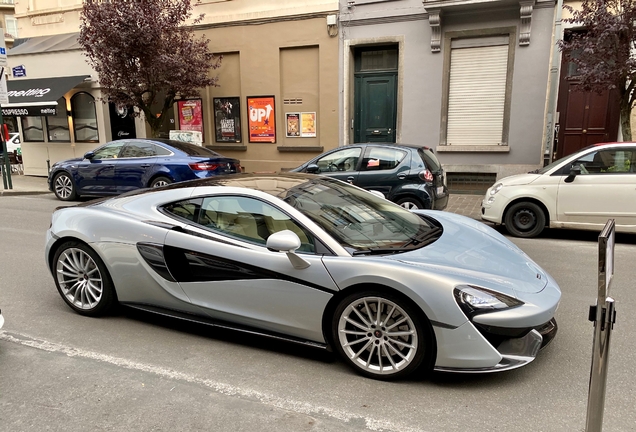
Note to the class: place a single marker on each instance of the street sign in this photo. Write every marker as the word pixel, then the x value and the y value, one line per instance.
pixel 4 96
pixel 18 71
pixel 3 51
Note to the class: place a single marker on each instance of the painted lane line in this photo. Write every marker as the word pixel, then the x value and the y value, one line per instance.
pixel 221 388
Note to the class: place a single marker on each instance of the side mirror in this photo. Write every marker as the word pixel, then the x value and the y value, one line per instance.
pixel 376 193
pixel 313 169
pixel 574 171
pixel 287 241
pixel 89 155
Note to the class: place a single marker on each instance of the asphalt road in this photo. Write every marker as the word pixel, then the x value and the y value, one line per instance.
pixel 132 371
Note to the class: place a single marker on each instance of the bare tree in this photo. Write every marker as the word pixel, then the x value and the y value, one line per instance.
pixel 145 54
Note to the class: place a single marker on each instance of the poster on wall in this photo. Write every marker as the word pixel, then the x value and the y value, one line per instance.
pixel 308 123
pixel 292 122
pixel 227 119
pixel 190 115
pixel 261 119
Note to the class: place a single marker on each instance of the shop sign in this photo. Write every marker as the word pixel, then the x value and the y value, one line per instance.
pixel 32 111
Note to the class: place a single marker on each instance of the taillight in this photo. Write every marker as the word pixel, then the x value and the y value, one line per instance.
pixel 204 166
pixel 426 175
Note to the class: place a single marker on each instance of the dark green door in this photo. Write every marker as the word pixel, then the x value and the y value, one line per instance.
pixel 375 107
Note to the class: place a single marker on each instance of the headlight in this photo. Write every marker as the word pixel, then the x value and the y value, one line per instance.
pixel 496 188
pixel 476 300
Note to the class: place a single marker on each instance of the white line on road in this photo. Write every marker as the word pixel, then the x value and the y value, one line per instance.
pixel 222 388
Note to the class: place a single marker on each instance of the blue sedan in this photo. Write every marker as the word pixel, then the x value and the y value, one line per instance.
pixel 124 165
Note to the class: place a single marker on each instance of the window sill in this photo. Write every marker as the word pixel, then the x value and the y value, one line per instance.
pixel 227 147
pixel 312 149
pixel 473 149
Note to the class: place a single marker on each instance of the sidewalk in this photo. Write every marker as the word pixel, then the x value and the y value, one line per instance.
pixel 464 204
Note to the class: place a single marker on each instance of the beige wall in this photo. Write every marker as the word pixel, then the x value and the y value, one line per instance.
pixel 49 17
pixel 297 63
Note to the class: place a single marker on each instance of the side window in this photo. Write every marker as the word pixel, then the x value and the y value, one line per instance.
pixel 189 209
pixel 607 161
pixel 161 151
pixel 249 219
pixel 342 160
pixel 137 149
pixel 378 159
pixel 109 151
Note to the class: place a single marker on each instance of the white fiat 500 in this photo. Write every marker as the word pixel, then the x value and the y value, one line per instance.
pixel 580 191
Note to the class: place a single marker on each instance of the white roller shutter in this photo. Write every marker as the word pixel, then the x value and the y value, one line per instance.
pixel 477 95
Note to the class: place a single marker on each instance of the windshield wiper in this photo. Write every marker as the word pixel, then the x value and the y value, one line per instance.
pixel 425 238
pixel 419 241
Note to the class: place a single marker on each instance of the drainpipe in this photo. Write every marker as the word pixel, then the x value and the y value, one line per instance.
pixel 554 85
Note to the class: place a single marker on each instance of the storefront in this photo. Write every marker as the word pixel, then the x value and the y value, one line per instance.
pixel 53 102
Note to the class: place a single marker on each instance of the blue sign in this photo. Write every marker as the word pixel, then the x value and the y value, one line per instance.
pixel 19 71
pixel 3 51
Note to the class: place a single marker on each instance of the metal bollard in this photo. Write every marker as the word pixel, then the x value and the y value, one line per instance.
pixel 603 314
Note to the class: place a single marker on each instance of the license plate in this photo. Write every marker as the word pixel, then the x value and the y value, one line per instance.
pixel 440 190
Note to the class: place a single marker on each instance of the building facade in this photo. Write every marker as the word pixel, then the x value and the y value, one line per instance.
pixel 469 79
pixel 279 58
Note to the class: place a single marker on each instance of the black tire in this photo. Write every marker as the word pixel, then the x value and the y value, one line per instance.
pixel 83 280
pixel 410 203
pixel 525 219
pixel 160 181
pixel 370 349
pixel 64 187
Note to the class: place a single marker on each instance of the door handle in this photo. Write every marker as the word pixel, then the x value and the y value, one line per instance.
pixel 376 132
pixel 401 176
pixel 145 165
pixel 350 179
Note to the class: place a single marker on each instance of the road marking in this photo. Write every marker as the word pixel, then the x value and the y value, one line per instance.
pixel 222 388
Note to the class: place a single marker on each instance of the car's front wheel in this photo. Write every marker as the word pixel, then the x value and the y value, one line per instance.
pixel 382 336
pixel 63 187
pixel 160 181
pixel 525 219
pixel 83 280
pixel 410 203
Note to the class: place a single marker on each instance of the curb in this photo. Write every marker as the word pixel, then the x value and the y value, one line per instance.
pixel 10 192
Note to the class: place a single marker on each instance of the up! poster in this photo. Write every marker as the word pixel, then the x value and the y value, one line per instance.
pixel 261 119
pixel 190 115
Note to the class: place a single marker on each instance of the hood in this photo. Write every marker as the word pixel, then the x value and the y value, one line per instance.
pixel 66 162
pixel 519 179
pixel 473 252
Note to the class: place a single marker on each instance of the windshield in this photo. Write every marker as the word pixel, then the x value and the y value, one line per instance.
pixel 361 222
pixel 547 168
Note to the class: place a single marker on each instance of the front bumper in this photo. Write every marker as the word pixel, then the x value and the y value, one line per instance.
pixel 514 352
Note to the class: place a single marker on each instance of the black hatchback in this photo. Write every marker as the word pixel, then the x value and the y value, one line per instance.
pixel 409 175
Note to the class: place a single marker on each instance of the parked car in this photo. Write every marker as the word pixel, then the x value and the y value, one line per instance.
pixel 580 191
pixel 409 175
pixel 124 165
pixel 315 261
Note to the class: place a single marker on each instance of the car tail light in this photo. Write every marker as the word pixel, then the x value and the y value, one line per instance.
pixel 426 175
pixel 204 166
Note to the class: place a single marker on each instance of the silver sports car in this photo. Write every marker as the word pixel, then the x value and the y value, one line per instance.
pixel 315 261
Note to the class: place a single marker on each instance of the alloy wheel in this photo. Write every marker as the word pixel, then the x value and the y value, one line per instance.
pixel 79 278
pixel 377 335
pixel 409 205
pixel 63 186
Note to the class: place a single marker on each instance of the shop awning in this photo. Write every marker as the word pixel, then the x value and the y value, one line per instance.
pixel 38 97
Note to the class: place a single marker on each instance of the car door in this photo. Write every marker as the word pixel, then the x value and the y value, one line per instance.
pixel 606 188
pixel 341 164
pixel 223 266
pixel 134 164
pixel 382 169
pixel 96 174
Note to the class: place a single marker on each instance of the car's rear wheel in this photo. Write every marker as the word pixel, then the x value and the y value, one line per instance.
pixel 160 181
pixel 382 336
pixel 83 280
pixel 410 203
pixel 525 219
pixel 63 187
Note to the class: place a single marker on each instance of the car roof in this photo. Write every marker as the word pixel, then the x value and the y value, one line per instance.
pixel 411 146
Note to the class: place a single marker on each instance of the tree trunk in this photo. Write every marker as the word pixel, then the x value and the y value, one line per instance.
pixel 626 121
